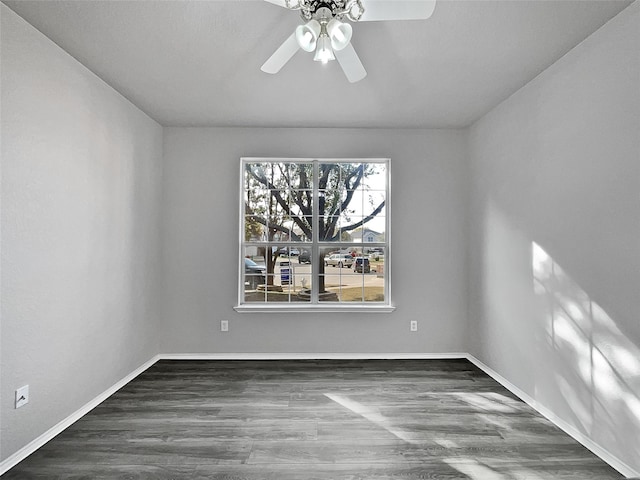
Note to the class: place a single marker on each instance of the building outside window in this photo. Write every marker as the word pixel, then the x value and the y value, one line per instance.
pixel 314 235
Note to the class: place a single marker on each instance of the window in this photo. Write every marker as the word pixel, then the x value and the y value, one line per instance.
pixel 314 235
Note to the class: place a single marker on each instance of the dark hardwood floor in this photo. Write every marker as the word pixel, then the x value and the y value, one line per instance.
pixel 306 420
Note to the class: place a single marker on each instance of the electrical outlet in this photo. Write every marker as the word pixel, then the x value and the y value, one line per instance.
pixel 22 396
pixel 224 325
pixel 414 325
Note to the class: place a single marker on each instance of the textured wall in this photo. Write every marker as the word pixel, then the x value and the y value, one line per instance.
pixel 81 171
pixel 555 238
pixel 428 175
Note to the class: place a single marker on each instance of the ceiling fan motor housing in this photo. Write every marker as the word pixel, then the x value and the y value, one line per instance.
pixel 338 9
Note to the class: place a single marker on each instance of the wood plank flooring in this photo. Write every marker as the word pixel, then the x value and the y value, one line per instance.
pixel 313 420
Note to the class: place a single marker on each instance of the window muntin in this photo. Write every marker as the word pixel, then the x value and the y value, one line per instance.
pixel 296 214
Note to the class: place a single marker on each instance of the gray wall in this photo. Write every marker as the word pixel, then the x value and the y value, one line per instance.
pixel 428 182
pixel 81 171
pixel 555 238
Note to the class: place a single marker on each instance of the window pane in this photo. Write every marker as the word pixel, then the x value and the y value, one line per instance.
pixel 258 296
pixel 330 210
pixel 305 257
pixel 301 211
pixel 352 174
pixel 372 203
pixel 301 175
pixel 253 275
pixel 336 264
pixel 279 228
pixel 329 175
pixel 295 228
pixel 329 293
pixel 367 234
pixel 287 253
pixel 360 279
pixel 281 278
pixel 352 292
pixel 374 177
pixel 371 266
pixel 352 285
pixel 254 175
pixel 301 202
pixel 342 232
pixel 266 176
pixel 254 231
pixel 286 283
pixel 256 202
pixel 302 229
pixel 278 218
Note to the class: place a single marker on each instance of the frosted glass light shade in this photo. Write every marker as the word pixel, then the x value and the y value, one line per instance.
pixel 307 35
pixel 339 33
pixel 324 53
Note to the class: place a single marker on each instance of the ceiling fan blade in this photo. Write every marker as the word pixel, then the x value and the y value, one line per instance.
pixel 350 63
pixel 375 10
pixel 280 3
pixel 282 55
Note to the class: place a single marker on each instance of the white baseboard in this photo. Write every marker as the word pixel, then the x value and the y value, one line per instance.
pixel 310 356
pixel 32 446
pixel 569 429
pixel 605 455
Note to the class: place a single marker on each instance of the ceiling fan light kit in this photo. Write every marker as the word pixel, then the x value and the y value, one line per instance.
pixel 307 35
pixel 324 53
pixel 326 32
pixel 339 33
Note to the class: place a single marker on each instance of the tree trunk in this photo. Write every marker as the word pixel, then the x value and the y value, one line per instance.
pixel 270 257
pixel 321 284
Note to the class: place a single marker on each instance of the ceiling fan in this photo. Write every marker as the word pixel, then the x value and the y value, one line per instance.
pixel 326 32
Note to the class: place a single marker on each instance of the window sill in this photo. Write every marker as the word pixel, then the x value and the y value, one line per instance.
pixel 314 308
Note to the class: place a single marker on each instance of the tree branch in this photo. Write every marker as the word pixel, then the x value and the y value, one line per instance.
pixel 280 228
pixel 366 219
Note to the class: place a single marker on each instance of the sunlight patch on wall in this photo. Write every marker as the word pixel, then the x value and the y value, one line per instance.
pixel 581 406
pixel 542 267
pixel 633 403
pixel 603 363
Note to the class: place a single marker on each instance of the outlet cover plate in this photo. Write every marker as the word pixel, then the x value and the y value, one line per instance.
pixel 22 396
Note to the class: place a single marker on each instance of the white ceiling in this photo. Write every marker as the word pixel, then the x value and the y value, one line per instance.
pixel 197 63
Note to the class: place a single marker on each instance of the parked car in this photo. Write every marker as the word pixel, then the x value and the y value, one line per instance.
pixel 254 274
pixel 304 257
pixel 288 252
pixel 339 260
pixel 361 265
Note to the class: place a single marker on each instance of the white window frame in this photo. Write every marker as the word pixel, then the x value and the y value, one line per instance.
pixel 314 246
